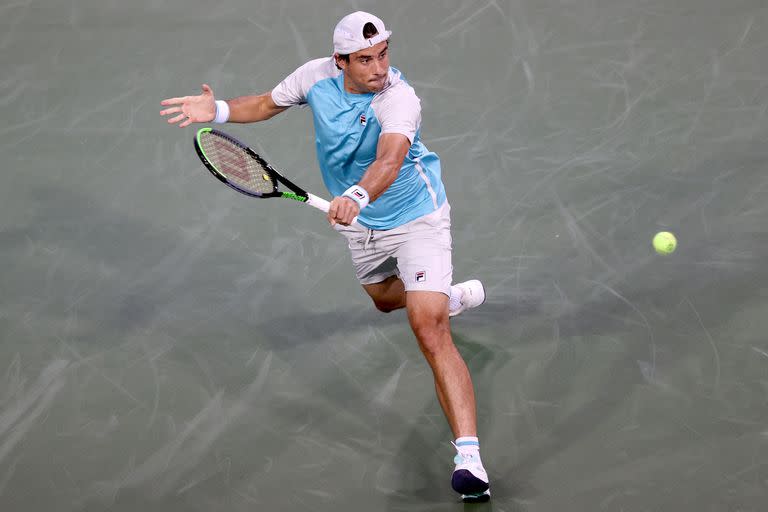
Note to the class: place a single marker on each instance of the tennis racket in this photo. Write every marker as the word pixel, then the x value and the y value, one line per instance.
pixel 239 167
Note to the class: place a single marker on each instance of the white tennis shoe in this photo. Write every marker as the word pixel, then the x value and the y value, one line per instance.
pixel 473 294
pixel 469 478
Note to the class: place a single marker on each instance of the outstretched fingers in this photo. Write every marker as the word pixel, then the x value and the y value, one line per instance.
pixel 186 123
pixel 178 107
pixel 189 109
pixel 178 118
pixel 171 110
pixel 175 101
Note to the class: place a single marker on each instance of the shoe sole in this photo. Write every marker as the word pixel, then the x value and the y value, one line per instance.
pixel 482 287
pixel 477 498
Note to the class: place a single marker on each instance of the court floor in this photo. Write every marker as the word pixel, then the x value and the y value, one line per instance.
pixel 169 345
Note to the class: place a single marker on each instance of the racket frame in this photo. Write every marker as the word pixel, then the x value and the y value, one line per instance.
pixel 296 193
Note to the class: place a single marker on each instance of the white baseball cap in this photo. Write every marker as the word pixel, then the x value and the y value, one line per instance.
pixel 348 34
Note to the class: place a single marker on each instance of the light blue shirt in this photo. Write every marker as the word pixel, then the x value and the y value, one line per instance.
pixel 347 130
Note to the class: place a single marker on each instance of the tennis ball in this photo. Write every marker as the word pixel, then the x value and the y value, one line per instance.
pixel 664 242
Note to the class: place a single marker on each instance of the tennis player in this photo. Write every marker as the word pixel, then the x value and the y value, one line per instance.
pixel 367 125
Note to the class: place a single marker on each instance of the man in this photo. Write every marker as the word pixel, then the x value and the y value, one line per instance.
pixel 369 148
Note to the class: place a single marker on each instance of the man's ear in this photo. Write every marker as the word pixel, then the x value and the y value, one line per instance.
pixel 340 63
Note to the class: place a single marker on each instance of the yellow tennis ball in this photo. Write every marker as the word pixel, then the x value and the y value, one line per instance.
pixel 664 242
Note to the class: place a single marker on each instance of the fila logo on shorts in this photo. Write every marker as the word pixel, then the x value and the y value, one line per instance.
pixel 421 276
pixel 362 119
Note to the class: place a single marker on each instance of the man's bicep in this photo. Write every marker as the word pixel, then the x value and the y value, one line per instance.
pixel 272 108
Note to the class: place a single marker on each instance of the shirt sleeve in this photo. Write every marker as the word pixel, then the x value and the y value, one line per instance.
pixel 294 89
pixel 400 112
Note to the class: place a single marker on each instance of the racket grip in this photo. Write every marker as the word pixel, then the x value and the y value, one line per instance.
pixel 323 205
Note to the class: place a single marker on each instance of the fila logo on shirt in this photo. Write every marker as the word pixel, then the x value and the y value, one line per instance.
pixel 421 276
pixel 362 119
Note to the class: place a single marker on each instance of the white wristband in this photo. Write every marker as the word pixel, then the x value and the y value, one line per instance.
pixel 358 194
pixel 222 112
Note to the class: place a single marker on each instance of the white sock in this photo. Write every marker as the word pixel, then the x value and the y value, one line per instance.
pixel 468 444
pixel 454 303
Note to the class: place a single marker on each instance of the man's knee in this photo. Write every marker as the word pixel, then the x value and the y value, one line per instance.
pixel 387 295
pixel 433 333
pixel 385 307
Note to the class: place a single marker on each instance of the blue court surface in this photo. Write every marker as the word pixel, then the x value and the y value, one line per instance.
pixel 169 345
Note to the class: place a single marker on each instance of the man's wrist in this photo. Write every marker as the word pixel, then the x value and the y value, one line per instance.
pixel 222 112
pixel 358 194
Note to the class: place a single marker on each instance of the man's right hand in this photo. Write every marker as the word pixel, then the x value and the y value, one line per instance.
pixel 342 210
pixel 191 109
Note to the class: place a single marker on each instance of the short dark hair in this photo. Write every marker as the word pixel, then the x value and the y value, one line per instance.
pixel 369 30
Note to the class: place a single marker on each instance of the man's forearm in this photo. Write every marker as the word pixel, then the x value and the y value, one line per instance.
pixel 250 109
pixel 378 177
pixel 390 154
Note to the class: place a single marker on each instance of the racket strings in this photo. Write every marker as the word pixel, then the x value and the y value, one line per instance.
pixel 236 164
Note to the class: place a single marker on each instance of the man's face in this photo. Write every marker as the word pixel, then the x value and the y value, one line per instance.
pixel 367 69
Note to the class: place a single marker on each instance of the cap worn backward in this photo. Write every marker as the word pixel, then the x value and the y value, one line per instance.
pixel 348 34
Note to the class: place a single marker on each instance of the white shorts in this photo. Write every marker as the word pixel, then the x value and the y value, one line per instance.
pixel 418 252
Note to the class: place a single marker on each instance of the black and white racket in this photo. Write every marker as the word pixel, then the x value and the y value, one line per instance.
pixel 238 166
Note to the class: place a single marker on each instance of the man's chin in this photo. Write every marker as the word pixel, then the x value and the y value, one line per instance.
pixel 376 86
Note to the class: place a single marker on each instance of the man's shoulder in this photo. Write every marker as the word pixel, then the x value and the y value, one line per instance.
pixel 295 88
pixel 398 85
pixel 316 70
pixel 321 65
pixel 398 94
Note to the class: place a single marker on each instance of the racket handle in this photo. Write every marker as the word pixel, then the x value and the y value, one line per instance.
pixel 323 205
